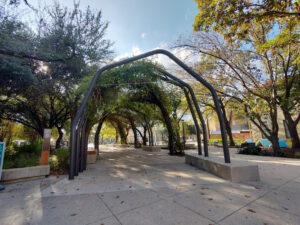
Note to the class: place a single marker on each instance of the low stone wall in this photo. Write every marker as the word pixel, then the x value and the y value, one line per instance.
pixel 189 146
pixel 235 171
pixel 121 145
pixel 26 172
pixel 164 146
pixel 151 148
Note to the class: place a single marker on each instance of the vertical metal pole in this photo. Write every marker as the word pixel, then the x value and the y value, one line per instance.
pixel 82 145
pixel 196 106
pixel 77 149
pixel 85 150
pixel 202 122
pixel 183 133
pixel 72 152
pixel 195 121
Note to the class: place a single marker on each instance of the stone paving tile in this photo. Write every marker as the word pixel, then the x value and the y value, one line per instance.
pixel 284 201
pixel 17 219
pixel 74 209
pixel 292 187
pixel 18 200
pixel 240 190
pixel 107 221
pixel 214 205
pixel 173 191
pixel 257 214
pixel 122 201
pixel 162 213
pixel 140 179
pixel 15 208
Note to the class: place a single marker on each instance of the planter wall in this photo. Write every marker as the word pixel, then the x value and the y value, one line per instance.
pixel 121 145
pixel 190 146
pixel 151 148
pixel 91 157
pixel 26 172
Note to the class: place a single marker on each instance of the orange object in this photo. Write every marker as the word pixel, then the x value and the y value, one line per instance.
pixel 45 158
pixel 91 152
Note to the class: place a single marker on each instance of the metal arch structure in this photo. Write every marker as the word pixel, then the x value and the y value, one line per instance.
pixel 190 106
pixel 190 89
pixel 78 149
pixel 167 77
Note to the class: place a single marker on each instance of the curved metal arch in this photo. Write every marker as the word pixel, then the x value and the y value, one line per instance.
pixel 190 105
pixel 196 106
pixel 83 105
pixel 187 91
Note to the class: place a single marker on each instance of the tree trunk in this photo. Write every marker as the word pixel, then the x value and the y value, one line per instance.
pixel 227 124
pixel 122 134
pixel 292 127
pixel 97 133
pixel 145 136
pixel 60 137
pixel 134 130
pixel 270 133
pixel 275 145
pixel 168 123
pixel 142 136
pixel 151 135
pixel 117 136
pixel 208 130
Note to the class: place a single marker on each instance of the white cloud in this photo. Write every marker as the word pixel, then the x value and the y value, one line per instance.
pixel 136 50
pixel 170 66
pixel 143 35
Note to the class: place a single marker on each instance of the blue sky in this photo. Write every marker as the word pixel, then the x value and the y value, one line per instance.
pixel 143 24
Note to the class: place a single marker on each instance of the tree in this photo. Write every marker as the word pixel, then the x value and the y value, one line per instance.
pixel 213 72
pixel 234 19
pixel 270 32
pixel 67 46
pixel 245 82
pixel 138 83
pixel 262 53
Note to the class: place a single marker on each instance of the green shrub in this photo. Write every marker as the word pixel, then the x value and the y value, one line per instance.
pixel 33 148
pixel 215 141
pixel 59 160
pixel 289 143
pixel 219 142
pixel 249 150
pixel 280 153
pixel 23 156
pixel 238 141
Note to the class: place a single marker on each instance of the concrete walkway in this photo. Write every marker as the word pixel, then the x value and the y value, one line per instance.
pixel 129 187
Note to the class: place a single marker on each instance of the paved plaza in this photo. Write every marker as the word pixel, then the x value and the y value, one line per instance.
pixel 129 186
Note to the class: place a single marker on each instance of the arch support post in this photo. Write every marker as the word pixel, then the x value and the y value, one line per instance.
pixel 195 121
